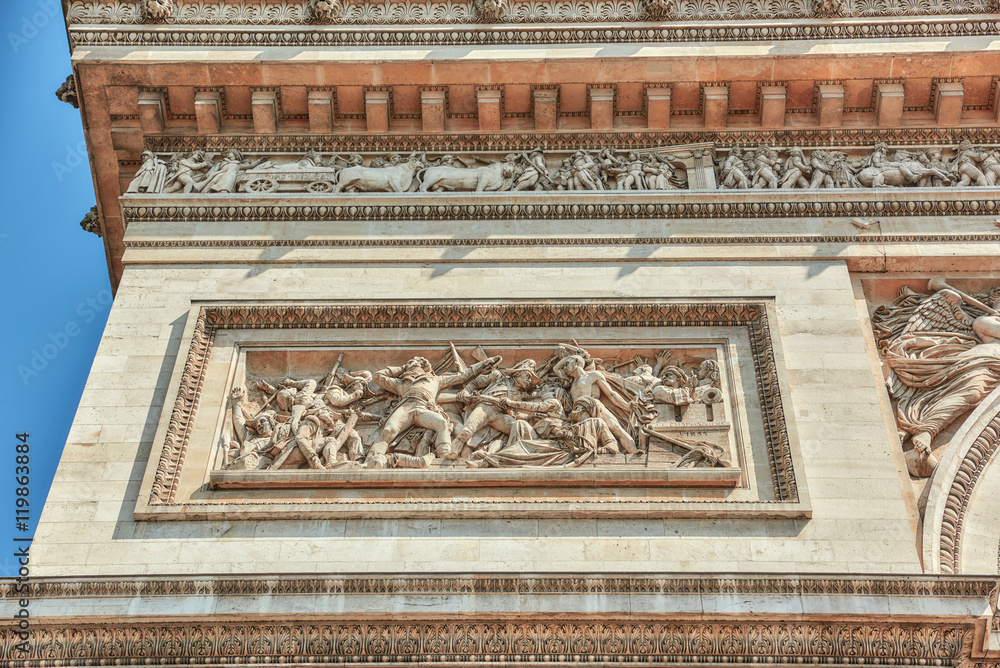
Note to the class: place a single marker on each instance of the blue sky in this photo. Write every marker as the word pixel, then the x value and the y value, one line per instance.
pixel 57 294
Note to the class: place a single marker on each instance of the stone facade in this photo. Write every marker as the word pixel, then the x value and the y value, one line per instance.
pixel 657 332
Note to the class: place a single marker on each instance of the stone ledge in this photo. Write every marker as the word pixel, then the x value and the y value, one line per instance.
pixel 582 477
pixel 565 206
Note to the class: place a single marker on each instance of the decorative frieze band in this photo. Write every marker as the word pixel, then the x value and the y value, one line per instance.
pixel 458 12
pixel 631 242
pixel 508 584
pixel 723 139
pixel 663 169
pixel 318 641
pixel 178 36
pixel 154 209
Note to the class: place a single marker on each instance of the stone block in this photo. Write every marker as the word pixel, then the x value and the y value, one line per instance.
pixel 489 109
pixel 433 110
pixel 321 111
pixel 830 105
pixel 602 108
pixel 996 102
pixel 208 111
pixel 377 110
pixel 264 105
pixel 889 104
pixel 772 106
pixel 152 111
pixel 716 106
pixel 546 108
pixel 658 107
pixel 948 100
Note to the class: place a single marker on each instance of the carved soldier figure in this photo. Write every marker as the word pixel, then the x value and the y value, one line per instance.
pixel 634 170
pixel 418 387
pixel 708 378
pixel 764 161
pixel 991 167
pixel 932 159
pixel 593 384
pixel 795 170
pixel 310 160
pixel 386 161
pixel 224 174
pixel 356 386
pixel 151 175
pixel 819 164
pixel 552 441
pixel 659 173
pixel 352 160
pixel 256 439
pixel 183 170
pixel 674 388
pixel 298 397
pixel 514 383
pixel 967 165
pixel 843 170
pixel 583 174
pixel 732 173
pixel 535 175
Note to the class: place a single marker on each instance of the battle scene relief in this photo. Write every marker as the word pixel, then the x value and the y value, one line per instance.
pixel 462 408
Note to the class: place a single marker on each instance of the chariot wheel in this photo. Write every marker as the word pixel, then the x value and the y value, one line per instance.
pixel 261 184
pixel 319 187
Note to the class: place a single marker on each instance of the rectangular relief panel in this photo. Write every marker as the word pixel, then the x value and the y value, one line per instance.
pixel 503 410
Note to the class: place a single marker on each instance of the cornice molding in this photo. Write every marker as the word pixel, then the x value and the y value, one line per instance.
pixel 415 12
pixel 622 140
pixel 514 584
pixel 433 242
pixel 91 35
pixel 754 206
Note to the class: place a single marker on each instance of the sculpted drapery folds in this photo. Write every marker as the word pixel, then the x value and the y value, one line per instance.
pixel 562 412
pixel 942 357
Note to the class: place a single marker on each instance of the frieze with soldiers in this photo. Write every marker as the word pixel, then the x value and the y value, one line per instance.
pixel 663 169
pixel 768 168
pixel 473 410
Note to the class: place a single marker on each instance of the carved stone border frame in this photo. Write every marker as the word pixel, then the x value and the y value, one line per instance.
pixel 158 497
pixel 973 448
pixel 488 640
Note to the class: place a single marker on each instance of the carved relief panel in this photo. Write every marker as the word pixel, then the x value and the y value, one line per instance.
pixel 502 410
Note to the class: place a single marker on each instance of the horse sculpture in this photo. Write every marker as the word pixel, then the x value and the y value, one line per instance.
pixel 494 177
pixel 396 178
pixel 894 174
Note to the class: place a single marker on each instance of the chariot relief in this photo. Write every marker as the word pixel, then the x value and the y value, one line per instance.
pixel 663 169
pixel 941 356
pixel 565 407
